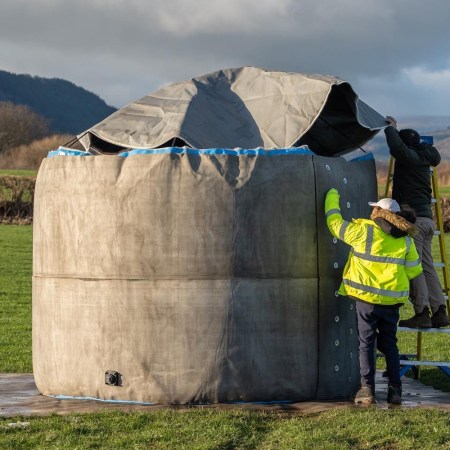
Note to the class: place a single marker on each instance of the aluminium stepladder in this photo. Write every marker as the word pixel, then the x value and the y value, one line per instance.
pixel 407 364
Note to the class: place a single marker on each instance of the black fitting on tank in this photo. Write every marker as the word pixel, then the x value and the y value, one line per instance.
pixel 113 378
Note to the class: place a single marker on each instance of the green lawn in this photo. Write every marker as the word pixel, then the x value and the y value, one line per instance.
pixel 198 428
pixel 435 346
pixel 444 191
pixel 15 298
pixel 337 429
pixel 20 173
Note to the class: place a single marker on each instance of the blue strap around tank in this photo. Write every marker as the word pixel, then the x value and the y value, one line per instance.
pixel 180 150
pixel 122 402
pixel 132 402
pixel 67 152
pixel 61 151
pixel 219 151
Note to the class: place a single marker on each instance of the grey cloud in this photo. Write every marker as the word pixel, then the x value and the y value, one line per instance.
pixel 129 48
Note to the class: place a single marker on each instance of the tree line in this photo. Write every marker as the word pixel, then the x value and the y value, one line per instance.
pixel 25 137
pixel 19 125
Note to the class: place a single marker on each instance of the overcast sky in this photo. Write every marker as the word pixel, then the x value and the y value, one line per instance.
pixel 394 53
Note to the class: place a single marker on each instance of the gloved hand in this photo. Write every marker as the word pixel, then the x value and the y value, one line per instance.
pixel 333 191
pixel 391 121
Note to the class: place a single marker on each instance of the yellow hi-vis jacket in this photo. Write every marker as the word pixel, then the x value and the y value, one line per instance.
pixel 379 266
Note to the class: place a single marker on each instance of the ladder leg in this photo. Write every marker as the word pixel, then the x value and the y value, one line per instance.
pixel 441 235
pixel 389 177
pixel 443 264
pixel 419 353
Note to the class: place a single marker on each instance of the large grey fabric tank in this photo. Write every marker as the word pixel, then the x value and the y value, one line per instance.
pixel 198 277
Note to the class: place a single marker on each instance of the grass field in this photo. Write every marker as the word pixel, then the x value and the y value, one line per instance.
pixel 15 298
pixel 338 429
pixel 19 173
pixel 444 191
pixel 435 347
pixel 197 428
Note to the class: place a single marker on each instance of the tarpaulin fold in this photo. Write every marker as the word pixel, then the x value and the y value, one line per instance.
pixel 246 107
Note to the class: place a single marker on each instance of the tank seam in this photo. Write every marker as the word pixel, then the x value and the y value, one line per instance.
pixel 318 277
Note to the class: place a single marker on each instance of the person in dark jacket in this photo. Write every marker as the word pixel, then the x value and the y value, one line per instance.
pixel 412 186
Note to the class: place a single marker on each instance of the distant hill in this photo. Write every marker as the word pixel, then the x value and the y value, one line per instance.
pixel 69 108
pixel 72 109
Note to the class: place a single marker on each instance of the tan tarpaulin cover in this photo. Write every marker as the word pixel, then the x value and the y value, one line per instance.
pixel 246 107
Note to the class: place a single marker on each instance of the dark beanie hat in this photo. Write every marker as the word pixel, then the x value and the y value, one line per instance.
pixel 410 137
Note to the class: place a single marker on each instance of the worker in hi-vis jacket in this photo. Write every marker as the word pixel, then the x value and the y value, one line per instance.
pixel 382 260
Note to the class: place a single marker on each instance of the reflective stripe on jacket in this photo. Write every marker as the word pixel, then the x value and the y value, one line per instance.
pixel 379 266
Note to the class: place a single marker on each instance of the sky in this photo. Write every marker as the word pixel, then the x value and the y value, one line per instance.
pixel 394 53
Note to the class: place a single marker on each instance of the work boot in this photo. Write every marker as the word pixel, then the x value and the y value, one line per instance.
pixel 420 320
pixel 439 318
pixel 394 395
pixel 365 395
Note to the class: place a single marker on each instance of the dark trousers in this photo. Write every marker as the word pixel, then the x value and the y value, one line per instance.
pixel 377 328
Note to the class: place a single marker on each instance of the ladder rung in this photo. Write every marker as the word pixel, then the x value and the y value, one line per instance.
pixel 433 200
pixel 407 362
pixel 425 330
pixel 437 233
pixel 439 264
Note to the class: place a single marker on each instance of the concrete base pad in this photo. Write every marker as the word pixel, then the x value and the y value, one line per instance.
pixel 19 396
